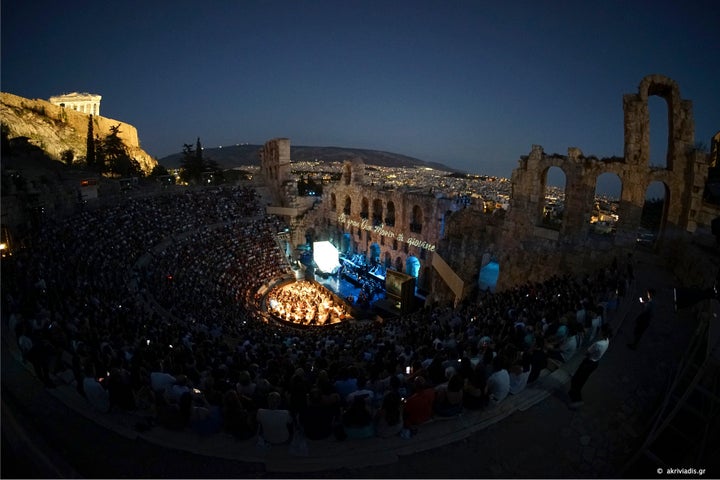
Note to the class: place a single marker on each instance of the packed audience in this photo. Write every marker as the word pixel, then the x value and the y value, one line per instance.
pixel 154 305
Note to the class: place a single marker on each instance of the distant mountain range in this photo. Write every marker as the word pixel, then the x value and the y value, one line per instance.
pixel 238 155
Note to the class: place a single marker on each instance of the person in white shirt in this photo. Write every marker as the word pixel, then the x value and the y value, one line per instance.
pixel 498 384
pixel 594 353
pixel 275 424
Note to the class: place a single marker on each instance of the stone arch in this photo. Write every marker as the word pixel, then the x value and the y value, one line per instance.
pixel 398 264
pixel 680 125
pixel 552 207
pixel 388 260
pixel 377 212
pixel 333 202
pixel 416 217
pixel 390 215
pixel 489 273
pixel 347 209
pixel 364 208
pixel 606 204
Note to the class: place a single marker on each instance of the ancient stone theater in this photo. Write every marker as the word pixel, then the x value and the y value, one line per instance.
pixel 444 244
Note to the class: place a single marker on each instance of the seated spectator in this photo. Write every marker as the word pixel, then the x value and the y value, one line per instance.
pixel 329 395
pixel 204 419
pixel 236 419
pixel 518 378
pixel 389 417
pixel 474 389
pixel 159 381
pixel 535 359
pixel 175 391
pixel 419 406
pixel 362 391
pixel 95 392
pixel 274 423
pixel 358 420
pixel 449 397
pixel 498 384
pixel 567 346
pixel 318 418
pixel 297 393
pixel 245 386
pixel 346 382
pixel 119 386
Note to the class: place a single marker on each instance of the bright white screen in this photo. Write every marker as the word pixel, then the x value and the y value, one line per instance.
pixel 325 256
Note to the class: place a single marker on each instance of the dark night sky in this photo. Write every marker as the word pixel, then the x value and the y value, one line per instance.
pixel 470 84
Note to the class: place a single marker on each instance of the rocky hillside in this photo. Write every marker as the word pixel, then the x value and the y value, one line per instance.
pixel 239 155
pixel 55 129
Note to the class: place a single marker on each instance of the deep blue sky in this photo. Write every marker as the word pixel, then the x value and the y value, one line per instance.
pixel 469 84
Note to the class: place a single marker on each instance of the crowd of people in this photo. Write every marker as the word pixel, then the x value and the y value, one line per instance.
pixel 305 303
pixel 154 306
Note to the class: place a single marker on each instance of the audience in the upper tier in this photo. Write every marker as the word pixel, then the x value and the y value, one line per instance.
pixel 157 303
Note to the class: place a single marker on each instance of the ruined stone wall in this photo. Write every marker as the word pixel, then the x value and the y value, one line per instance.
pixel 275 168
pixel 531 251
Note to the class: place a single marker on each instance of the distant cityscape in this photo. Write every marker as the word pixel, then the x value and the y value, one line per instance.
pixel 493 192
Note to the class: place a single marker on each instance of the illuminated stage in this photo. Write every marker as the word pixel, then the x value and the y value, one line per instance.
pixel 349 277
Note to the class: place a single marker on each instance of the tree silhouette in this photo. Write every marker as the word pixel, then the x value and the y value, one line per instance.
pixel 116 158
pixel 68 156
pixel 90 156
pixel 193 165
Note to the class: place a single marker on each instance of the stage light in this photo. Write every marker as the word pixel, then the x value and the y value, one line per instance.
pixel 326 256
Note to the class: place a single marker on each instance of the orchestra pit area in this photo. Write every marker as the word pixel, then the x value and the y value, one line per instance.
pixel 306 303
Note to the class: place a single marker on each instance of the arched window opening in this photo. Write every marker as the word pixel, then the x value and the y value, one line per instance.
pixel 364 208
pixel 606 204
pixel 489 273
pixel 399 264
pixel 654 213
pixel 348 204
pixel 377 212
pixel 553 206
pixel 658 112
pixel 333 202
pixel 416 220
pixel 390 217
pixel 388 260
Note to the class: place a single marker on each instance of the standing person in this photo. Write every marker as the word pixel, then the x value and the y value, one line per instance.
pixel 642 322
pixel 588 365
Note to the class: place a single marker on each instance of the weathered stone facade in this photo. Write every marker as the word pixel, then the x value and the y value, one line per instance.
pixel 408 223
pixel 275 168
pixel 402 223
